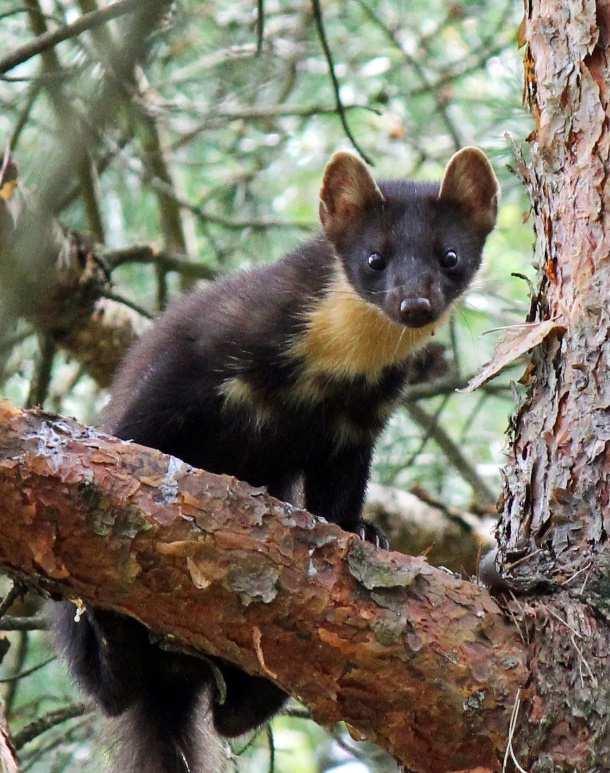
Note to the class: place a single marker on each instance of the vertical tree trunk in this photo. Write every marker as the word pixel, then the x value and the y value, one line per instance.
pixel 555 508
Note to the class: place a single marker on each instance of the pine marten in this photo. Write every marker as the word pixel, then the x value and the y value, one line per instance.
pixel 277 374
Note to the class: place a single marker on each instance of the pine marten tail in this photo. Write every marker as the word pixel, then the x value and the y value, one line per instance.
pixel 167 731
pixel 156 698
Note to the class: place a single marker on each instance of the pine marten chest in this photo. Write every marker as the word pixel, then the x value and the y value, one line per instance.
pixel 337 373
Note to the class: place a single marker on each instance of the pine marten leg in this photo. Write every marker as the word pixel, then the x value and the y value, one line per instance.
pixel 250 701
pixel 335 485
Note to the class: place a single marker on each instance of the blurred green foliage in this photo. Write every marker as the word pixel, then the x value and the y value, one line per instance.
pixel 418 79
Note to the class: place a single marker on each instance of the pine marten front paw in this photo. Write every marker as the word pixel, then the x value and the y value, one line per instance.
pixel 368 532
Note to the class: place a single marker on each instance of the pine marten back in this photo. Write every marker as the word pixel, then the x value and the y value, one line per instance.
pixel 282 374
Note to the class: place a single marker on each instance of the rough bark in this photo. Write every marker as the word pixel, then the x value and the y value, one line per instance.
pixel 555 506
pixel 413 657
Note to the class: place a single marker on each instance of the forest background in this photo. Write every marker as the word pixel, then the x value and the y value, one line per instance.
pixel 211 160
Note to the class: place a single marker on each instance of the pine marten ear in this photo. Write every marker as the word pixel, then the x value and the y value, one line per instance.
pixel 470 181
pixel 348 192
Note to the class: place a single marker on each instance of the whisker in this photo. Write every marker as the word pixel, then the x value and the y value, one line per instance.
pixel 404 330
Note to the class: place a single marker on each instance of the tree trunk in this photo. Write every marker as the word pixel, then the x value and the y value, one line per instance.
pixel 555 504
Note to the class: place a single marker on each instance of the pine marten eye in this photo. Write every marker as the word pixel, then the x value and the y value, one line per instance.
pixel 449 259
pixel 376 261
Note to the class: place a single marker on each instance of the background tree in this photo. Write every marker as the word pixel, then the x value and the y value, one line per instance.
pixel 199 152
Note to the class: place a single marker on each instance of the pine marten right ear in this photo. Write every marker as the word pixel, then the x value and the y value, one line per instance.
pixel 470 181
pixel 348 192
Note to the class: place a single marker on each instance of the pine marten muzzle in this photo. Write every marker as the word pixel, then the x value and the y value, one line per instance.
pixel 280 375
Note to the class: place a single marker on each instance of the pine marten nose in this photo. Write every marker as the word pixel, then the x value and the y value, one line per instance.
pixel 416 312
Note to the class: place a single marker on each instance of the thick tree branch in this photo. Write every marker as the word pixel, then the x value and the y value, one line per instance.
pixel 412 657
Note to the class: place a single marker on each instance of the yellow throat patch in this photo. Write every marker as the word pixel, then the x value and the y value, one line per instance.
pixel 345 336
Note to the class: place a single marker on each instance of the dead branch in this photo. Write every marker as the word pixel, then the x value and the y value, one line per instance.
pixel 144 253
pixel 65 302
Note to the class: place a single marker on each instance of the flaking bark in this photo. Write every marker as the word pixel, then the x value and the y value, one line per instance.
pixel 412 657
pixel 555 505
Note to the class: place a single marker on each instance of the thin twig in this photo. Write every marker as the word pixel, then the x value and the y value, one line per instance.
pixel 68 118
pixel 208 217
pixel 6 344
pixel 41 379
pixel 14 593
pixel 562 621
pixel 441 106
pixel 583 660
pixel 297 714
pixel 317 12
pixel 49 39
pixel 28 671
pixel 511 612
pixel 220 118
pixel 575 575
pixel 260 25
pixel 46 722
pixel 523 559
pixel 23 645
pixel 33 623
pixel 34 91
pixel 452 452
pixel 126 302
pixel 271 743
pixel 446 385
pixel 144 253
pixel 511 732
pixel 61 739
pixel 428 432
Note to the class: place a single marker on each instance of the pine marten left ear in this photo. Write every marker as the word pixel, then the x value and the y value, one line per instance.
pixel 348 192
pixel 470 181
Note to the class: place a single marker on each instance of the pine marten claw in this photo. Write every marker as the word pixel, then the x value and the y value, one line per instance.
pixel 370 533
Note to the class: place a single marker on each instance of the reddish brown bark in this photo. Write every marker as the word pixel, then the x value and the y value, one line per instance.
pixel 410 656
pixel 556 514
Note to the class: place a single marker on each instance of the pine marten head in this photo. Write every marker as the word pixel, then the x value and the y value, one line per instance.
pixel 409 248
